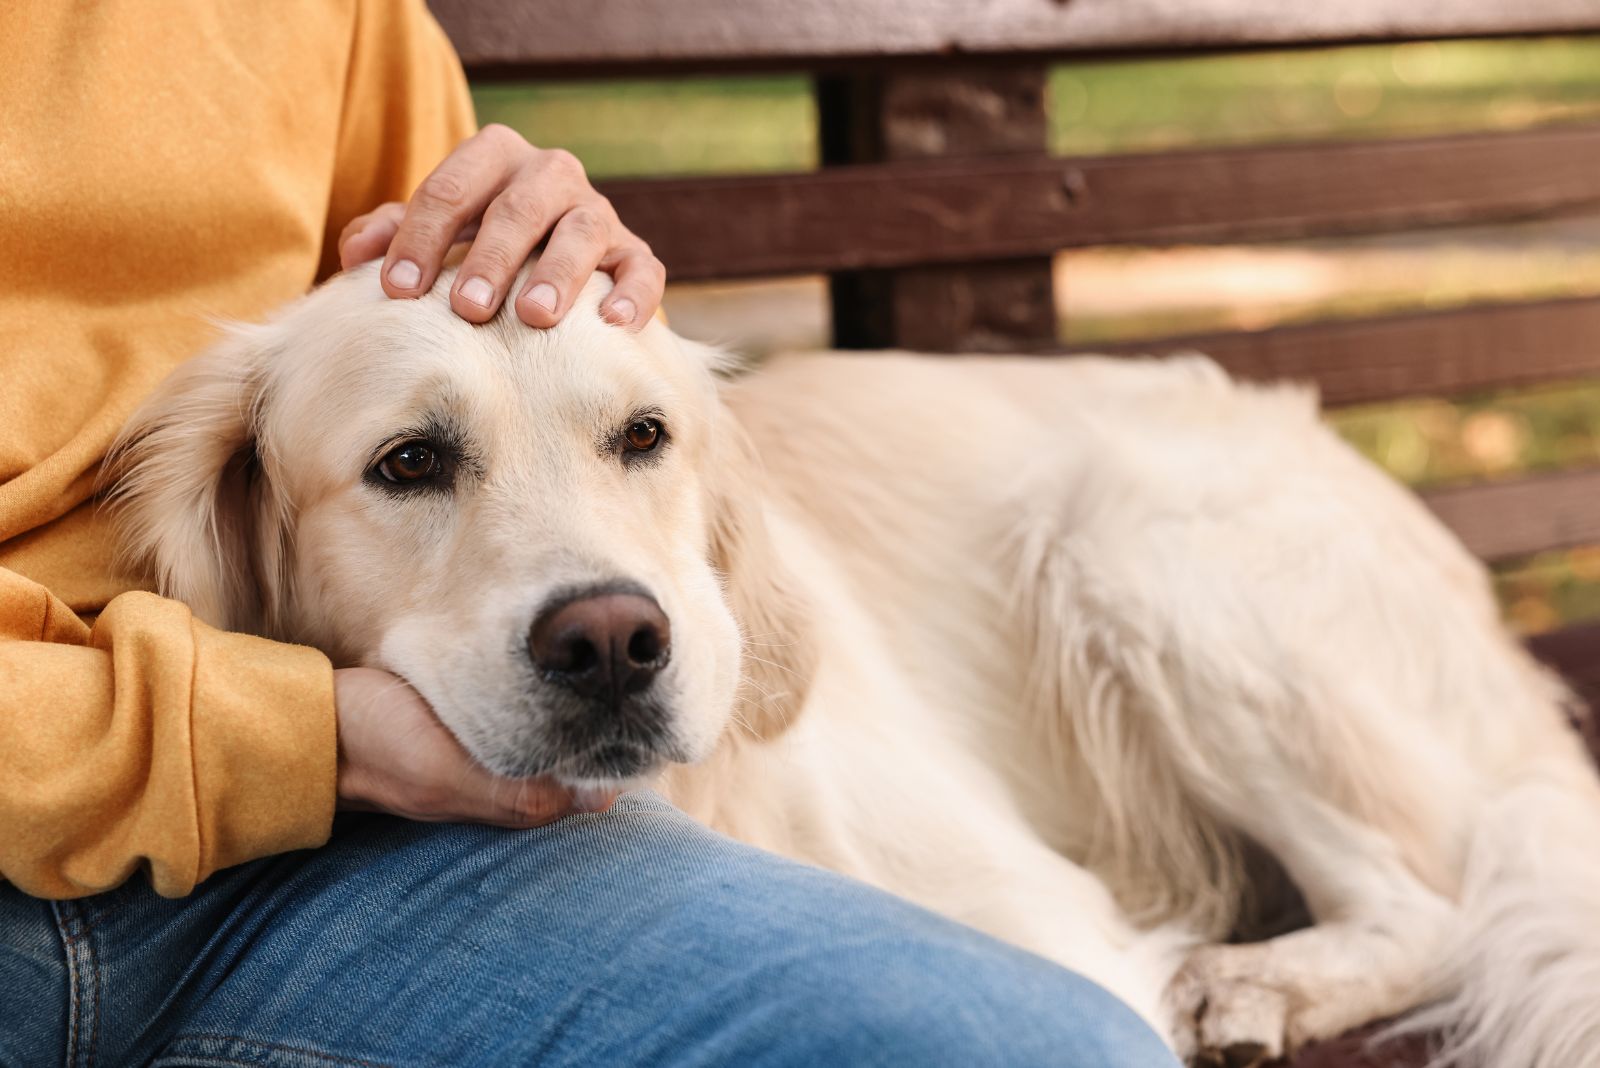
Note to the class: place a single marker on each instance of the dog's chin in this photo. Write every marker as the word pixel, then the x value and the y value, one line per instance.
pixel 609 762
pixel 606 762
pixel 589 762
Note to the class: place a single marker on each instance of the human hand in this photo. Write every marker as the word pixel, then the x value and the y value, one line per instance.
pixel 396 757
pixel 507 196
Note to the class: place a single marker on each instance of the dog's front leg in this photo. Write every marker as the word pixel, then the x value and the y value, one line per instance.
pixel 1372 953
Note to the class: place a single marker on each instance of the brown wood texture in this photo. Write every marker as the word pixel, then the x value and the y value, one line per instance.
pixel 600 35
pixel 1000 306
pixel 1009 207
pixel 901 115
pixel 1503 520
pixel 1575 652
pixel 1359 1049
pixel 1436 353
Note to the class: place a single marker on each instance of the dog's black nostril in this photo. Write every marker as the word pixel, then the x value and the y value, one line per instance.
pixel 603 645
pixel 645 646
pixel 581 656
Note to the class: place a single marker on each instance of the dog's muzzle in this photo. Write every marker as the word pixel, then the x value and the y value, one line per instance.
pixel 604 648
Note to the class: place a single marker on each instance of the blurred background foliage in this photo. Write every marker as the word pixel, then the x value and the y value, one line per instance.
pixel 764 124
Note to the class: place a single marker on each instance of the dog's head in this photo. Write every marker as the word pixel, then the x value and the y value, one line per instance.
pixel 554 535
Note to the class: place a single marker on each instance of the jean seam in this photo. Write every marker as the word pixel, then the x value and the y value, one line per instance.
pixel 83 981
pixel 99 976
pixel 269 1048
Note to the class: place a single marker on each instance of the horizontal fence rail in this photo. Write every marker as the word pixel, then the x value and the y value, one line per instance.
pixel 1003 207
pixel 545 36
pixel 1435 353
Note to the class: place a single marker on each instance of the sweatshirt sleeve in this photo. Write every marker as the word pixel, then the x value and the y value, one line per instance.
pixel 153 740
pixel 150 739
pixel 406 107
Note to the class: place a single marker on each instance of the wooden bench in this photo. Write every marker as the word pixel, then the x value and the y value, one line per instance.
pixel 937 210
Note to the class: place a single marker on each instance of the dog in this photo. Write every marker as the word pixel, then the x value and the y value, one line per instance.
pixel 1052 647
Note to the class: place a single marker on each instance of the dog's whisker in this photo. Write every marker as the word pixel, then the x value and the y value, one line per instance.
pixel 775 664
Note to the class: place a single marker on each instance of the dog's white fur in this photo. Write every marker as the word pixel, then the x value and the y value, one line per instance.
pixel 1047 646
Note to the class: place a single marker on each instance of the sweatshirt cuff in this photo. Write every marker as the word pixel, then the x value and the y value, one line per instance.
pixel 265 747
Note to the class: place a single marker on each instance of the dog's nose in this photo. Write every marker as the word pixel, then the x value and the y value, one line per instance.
pixel 605 645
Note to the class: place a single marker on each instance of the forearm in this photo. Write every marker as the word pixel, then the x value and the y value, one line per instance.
pixel 153 740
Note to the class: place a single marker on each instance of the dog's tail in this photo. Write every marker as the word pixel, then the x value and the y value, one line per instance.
pixel 1525 975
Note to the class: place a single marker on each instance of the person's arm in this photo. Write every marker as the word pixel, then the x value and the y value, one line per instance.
pixel 152 739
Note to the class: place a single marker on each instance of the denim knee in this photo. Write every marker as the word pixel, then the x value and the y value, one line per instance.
pixel 961 1006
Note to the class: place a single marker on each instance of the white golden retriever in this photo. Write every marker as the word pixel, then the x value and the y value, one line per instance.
pixel 1051 647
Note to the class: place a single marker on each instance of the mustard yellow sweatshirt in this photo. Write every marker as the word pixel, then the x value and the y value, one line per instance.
pixel 162 163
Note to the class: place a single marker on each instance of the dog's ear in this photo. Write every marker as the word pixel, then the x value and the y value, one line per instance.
pixel 774 613
pixel 189 499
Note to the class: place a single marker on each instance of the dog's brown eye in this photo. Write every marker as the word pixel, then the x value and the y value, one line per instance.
pixel 411 462
pixel 642 435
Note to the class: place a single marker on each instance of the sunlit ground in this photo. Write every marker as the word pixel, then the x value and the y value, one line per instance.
pixel 766 124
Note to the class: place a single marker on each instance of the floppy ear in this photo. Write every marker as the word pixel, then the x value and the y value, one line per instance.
pixel 773 610
pixel 190 502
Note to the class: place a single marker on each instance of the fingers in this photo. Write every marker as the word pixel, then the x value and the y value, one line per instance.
pixel 577 245
pixel 521 803
pixel 366 237
pixel 640 281
pixel 396 756
pixel 546 189
pixel 455 194
pixel 465 791
pixel 511 196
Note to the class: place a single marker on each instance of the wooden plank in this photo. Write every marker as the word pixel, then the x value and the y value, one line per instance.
pixel 601 35
pixel 1502 520
pixel 1575 652
pixel 998 306
pixel 963 112
pixel 1420 354
pixel 1012 207
pixel 1358 1049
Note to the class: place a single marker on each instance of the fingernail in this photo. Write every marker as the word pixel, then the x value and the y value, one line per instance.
pixel 621 312
pixel 544 295
pixel 404 274
pixel 477 291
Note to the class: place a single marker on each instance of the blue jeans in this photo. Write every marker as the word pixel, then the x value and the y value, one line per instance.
pixel 631 937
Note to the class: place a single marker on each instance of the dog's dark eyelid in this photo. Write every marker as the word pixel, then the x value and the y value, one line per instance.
pixel 413 464
pixel 642 439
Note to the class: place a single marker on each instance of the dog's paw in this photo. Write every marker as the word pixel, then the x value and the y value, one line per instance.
pixel 1223 1019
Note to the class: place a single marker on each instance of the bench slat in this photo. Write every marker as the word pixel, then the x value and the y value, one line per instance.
pixel 602 35
pixel 1436 353
pixel 911 213
pixel 1501 520
pixel 1575 652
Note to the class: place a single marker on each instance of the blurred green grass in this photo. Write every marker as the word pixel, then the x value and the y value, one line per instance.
pixel 686 126
pixel 769 124
pixel 1413 89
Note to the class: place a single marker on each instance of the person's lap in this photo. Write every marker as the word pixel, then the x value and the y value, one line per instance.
pixel 633 937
